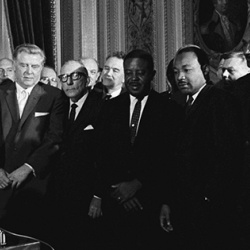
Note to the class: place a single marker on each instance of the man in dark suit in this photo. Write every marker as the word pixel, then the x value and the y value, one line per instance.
pixel 208 160
pixel 132 157
pixel 75 173
pixel 32 126
pixel 236 79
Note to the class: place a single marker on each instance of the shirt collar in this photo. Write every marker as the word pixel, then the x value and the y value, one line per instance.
pixel 20 89
pixel 197 93
pixel 80 101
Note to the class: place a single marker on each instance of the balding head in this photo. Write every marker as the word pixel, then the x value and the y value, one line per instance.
pixel 74 79
pixel 93 69
pixel 6 69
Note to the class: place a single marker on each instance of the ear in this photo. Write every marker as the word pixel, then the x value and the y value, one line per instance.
pixel 205 69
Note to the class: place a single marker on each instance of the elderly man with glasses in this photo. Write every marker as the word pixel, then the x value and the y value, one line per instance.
pixel 75 173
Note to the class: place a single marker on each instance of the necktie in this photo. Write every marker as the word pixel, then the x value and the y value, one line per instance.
pixel 107 97
pixel 134 120
pixel 72 113
pixel 22 101
pixel 189 104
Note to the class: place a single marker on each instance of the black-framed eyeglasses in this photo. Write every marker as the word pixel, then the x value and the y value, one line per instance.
pixel 74 76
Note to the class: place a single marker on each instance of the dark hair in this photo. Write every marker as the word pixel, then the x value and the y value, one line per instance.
pixel 138 53
pixel 201 55
pixel 118 54
pixel 234 54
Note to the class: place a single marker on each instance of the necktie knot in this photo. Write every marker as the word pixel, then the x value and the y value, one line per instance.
pixel 72 113
pixel 107 97
pixel 189 103
pixel 190 100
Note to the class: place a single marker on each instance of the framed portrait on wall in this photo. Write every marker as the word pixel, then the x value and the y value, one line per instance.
pixel 221 26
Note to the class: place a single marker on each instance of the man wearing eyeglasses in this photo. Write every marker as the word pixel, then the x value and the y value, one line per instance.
pixel 49 76
pixel 6 70
pixel 76 170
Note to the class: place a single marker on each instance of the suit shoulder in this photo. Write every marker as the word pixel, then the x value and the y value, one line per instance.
pixel 7 84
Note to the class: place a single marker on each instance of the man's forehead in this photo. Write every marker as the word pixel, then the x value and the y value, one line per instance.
pixel 186 59
pixel 5 63
pixel 90 64
pixel 70 67
pixel 114 61
pixel 232 62
pixel 48 71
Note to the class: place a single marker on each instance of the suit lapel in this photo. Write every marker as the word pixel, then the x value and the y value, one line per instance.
pixel 12 104
pixel 34 97
pixel 84 117
pixel 199 100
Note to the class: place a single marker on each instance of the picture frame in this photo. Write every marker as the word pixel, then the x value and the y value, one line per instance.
pixel 206 32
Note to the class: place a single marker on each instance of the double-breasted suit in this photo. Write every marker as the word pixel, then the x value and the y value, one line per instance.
pixel 33 139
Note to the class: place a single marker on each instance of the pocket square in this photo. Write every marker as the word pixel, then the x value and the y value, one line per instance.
pixel 89 127
pixel 37 114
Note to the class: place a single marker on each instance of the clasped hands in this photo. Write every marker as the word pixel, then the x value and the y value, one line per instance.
pixel 15 178
pixel 125 194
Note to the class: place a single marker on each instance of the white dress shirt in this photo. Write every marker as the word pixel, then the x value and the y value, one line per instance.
pixel 79 104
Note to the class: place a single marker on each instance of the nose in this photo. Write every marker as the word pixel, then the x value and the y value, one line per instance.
pixel 29 69
pixel 69 81
pixel 5 73
pixel 180 76
pixel 225 74
pixel 109 72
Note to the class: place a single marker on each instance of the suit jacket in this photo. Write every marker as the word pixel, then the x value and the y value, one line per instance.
pixel 151 153
pixel 208 171
pixel 33 139
pixel 75 173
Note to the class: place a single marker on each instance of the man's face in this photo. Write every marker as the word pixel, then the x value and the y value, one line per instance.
pixel 221 6
pixel 28 69
pixel 75 81
pixel 233 68
pixel 48 76
pixel 188 74
pixel 138 77
pixel 93 70
pixel 113 73
pixel 6 70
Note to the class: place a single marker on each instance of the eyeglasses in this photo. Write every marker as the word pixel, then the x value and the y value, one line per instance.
pixel 4 72
pixel 48 79
pixel 73 76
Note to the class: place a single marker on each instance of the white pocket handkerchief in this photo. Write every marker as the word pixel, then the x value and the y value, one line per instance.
pixel 37 114
pixel 89 127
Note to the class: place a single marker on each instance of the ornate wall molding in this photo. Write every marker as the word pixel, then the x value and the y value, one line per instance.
pixel 169 35
pixel 111 30
pixel 55 32
pixel 77 29
pixel 89 28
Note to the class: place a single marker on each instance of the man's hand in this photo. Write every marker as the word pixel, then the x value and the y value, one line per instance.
pixel 132 204
pixel 19 175
pixel 4 179
pixel 95 209
pixel 126 190
pixel 165 218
